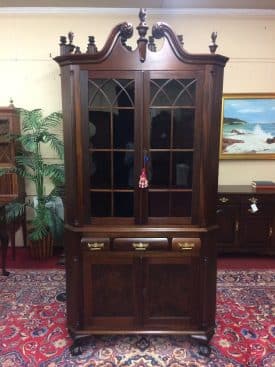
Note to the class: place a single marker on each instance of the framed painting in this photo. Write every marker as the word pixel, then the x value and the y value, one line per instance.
pixel 248 126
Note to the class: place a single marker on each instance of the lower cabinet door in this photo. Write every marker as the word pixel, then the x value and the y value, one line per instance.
pixel 171 293
pixel 256 232
pixel 110 284
pixel 228 222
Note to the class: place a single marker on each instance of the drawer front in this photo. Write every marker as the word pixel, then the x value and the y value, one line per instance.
pixel 188 246
pixel 256 205
pixel 226 199
pixel 140 244
pixel 95 244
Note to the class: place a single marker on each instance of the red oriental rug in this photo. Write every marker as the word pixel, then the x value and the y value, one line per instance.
pixel 33 327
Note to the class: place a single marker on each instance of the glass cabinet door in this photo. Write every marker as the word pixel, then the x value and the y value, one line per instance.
pixel 171 127
pixel 111 104
pixel 5 146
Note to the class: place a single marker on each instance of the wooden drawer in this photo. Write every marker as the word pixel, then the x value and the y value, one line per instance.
pixel 140 244
pixel 186 245
pixel 226 199
pixel 95 244
pixel 264 207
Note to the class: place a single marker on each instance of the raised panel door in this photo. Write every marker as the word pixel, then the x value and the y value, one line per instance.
pixel 228 225
pixel 171 292
pixel 110 291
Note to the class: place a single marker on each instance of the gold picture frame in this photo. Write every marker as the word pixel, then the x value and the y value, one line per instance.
pixel 248 126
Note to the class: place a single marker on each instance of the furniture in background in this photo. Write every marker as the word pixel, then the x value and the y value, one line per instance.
pixel 141 133
pixel 4 239
pixel 11 186
pixel 246 219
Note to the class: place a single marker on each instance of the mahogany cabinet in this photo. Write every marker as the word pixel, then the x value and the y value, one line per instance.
pixel 11 185
pixel 9 125
pixel 242 229
pixel 141 133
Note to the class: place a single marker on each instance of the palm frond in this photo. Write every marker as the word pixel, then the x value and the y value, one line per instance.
pixel 55 143
pixel 40 229
pixel 55 223
pixel 31 120
pixel 14 210
pixel 53 120
pixel 29 141
pixel 55 172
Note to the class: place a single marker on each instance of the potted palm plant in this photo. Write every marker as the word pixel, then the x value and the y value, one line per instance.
pixel 46 224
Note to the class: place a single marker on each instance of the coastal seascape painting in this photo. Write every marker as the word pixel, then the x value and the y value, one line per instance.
pixel 248 126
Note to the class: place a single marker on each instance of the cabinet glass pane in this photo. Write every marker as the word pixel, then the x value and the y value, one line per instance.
pixel 124 128
pixel 101 204
pixel 100 170
pixel 181 204
pixel 110 92
pixel 183 128
pixel 111 145
pixel 182 164
pixel 99 129
pixel 123 204
pixel 170 204
pixel 158 204
pixel 173 92
pixel 4 130
pixel 160 128
pixel 159 172
pixel 171 146
pixel 123 169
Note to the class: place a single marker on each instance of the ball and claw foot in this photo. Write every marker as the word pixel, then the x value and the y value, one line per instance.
pixel 75 350
pixel 204 350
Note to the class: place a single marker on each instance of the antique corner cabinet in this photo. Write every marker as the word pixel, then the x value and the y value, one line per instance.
pixel 140 256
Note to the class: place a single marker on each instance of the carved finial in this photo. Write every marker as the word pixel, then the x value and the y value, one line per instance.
pixel 11 102
pixel 142 15
pixel 142 30
pixel 70 37
pixel 180 38
pixel 91 49
pixel 213 46
pixel 63 40
pixel 62 45
pixel 68 48
pixel 151 44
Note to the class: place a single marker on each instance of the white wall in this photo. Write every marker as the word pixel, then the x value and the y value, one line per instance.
pixel 30 76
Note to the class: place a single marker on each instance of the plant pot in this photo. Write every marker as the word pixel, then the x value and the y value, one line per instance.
pixel 41 249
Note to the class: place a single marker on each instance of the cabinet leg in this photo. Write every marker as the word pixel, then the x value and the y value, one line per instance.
pixel 78 341
pixel 75 348
pixel 203 343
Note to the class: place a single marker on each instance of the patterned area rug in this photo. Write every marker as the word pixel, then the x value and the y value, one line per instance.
pixel 33 327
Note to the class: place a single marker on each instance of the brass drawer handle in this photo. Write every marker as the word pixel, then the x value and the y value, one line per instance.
pixel 270 232
pixel 140 246
pixel 237 226
pixel 94 246
pixel 184 246
pixel 223 199
pixel 253 200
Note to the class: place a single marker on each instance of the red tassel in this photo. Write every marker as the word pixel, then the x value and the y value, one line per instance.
pixel 143 181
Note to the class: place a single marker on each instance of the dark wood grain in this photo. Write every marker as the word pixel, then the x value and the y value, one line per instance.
pixel 152 267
